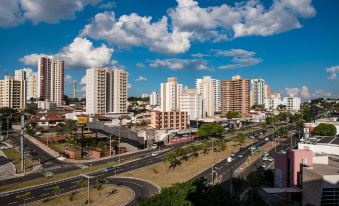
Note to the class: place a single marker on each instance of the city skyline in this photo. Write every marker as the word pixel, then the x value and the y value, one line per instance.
pixel 283 56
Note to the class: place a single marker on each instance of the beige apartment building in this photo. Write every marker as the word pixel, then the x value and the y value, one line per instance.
pixel 235 95
pixel 12 93
pixel 106 90
pixel 169 94
pixel 169 120
pixel 51 80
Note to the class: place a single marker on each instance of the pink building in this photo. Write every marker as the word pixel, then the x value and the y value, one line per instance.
pixel 287 167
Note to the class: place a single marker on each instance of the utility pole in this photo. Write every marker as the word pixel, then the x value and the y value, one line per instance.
pixel 110 145
pixel 22 145
pixel 119 142
pixel 212 171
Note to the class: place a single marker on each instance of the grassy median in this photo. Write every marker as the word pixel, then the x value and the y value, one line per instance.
pixel 107 195
pixel 14 156
pixel 56 177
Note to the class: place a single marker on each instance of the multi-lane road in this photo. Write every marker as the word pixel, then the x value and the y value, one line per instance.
pixel 140 188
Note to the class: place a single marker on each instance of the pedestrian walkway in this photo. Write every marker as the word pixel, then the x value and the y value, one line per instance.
pixel 7 169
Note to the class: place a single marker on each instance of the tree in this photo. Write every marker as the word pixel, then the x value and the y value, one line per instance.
pixel 255 179
pixel 259 107
pixel 196 192
pixel 171 158
pixel 241 138
pixel 210 129
pixel 82 182
pixel 282 107
pixel 221 144
pixel 24 197
pixel 232 115
pixel 325 130
pixel 56 190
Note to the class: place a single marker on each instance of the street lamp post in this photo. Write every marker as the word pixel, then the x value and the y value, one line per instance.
pixel 88 188
pixel 119 141
pixel 110 145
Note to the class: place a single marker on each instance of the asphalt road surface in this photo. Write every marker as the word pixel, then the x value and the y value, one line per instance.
pixel 44 191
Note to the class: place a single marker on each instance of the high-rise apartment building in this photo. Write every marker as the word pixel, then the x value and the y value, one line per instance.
pixel 191 101
pixel 169 95
pixel 116 89
pixel 12 93
pixel 258 91
pixel 31 80
pixel 235 95
pixel 51 80
pixel 106 90
pixel 96 91
pixel 154 99
pixel 207 88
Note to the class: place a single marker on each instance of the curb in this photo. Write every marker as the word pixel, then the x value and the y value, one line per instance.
pixel 131 199
pixel 144 180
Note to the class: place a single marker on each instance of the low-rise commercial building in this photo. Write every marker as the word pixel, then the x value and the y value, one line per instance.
pixel 169 120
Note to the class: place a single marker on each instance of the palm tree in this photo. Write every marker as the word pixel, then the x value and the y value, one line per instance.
pixel 24 197
pixel 56 190
pixel 171 158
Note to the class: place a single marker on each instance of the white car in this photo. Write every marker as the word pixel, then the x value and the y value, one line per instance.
pixel 266 139
pixel 154 154
pixel 265 158
pixel 270 159
pixel 61 158
pixel 154 146
pixel 229 159
pixel 240 155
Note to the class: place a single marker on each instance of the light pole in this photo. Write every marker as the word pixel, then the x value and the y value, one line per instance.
pixel 119 141
pixel 110 145
pixel 88 188
pixel 212 171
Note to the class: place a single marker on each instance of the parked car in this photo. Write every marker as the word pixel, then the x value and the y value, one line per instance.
pixel 229 159
pixel 264 158
pixel 266 139
pixel 241 155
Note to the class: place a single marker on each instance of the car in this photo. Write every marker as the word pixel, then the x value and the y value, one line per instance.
pixel 229 159
pixel 232 154
pixel 48 174
pixel 154 154
pixel 61 158
pixel 265 158
pixel 266 154
pixel 154 146
pixel 240 155
pixel 109 169
pixel 252 137
pixel 263 166
pixel 266 139
pixel 270 159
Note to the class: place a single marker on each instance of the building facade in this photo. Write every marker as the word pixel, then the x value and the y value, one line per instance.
pixel 169 95
pixel 31 81
pixel 12 93
pixel 258 91
pixel 235 95
pixel 154 99
pixel 169 120
pixel 51 80
pixel 191 101
pixel 273 101
pixel 207 88
pixel 106 90
pixel 292 103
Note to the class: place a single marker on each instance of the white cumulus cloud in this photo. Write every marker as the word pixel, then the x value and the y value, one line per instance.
pixel 179 64
pixel 14 12
pixel 240 58
pixel 333 72
pixel 305 93
pixel 141 78
pixel 134 30
pixel 81 53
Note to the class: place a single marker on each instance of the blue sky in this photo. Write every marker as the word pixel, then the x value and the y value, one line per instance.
pixel 292 44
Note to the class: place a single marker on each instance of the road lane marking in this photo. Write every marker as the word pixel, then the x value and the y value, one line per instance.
pixel 134 183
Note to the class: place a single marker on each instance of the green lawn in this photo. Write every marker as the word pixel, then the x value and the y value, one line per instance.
pixel 14 156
